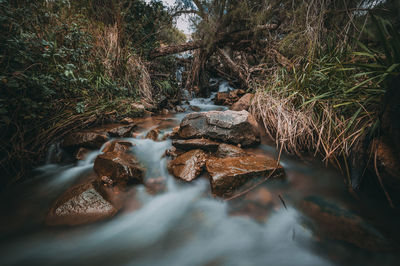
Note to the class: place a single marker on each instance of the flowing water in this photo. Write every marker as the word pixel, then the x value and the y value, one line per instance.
pixel 186 225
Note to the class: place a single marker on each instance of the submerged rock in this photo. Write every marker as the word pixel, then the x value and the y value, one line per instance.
pixel 227 150
pixel 243 103
pixel 228 174
pixel 189 165
pixel 87 139
pixel 118 168
pixel 226 126
pixel 189 144
pixel 81 204
pixel 332 221
pixel 117 145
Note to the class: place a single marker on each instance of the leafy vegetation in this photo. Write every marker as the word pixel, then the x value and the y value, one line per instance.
pixel 67 64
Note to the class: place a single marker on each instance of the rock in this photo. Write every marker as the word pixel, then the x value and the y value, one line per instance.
pixel 228 98
pixel 332 221
pixel 118 168
pixel 228 126
pixel 189 165
pixel 222 98
pixel 81 153
pixel 195 108
pixel 128 121
pixel 156 185
pixel 180 109
pixel 243 103
pixel 81 204
pixel 117 130
pixel 87 139
pixel 227 150
pixel 173 152
pixel 228 174
pixel 174 134
pixel 190 144
pixel 152 134
pixel 117 145
pixel 165 111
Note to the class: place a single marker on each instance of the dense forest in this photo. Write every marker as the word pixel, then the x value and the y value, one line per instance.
pixel 319 79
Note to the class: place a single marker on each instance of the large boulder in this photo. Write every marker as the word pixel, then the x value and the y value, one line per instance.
pixel 190 144
pixel 118 168
pixel 81 204
pixel 189 165
pixel 229 174
pixel 88 139
pixel 243 103
pixel 226 126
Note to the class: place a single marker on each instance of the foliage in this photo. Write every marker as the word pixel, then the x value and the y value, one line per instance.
pixel 66 64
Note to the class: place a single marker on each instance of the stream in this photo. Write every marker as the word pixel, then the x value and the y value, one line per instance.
pixel 307 219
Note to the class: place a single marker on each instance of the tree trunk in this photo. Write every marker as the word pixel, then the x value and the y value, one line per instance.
pixel 222 38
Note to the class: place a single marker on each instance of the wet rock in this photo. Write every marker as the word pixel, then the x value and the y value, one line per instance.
pixel 128 121
pixel 190 144
pixel 87 139
pixel 228 174
pixel 228 98
pixel 227 150
pixel 156 185
pixel 257 204
pixel 81 204
pixel 222 98
pixel 117 130
pixel 180 109
pixel 195 108
pixel 228 126
pixel 174 134
pixel 118 168
pixel 243 103
pixel 81 153
pixel 332 221
pixel 152 134
pixel 189 165
pixel 173 152
pixel 117 145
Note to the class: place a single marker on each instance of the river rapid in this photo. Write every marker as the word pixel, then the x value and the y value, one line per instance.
pixel 307 219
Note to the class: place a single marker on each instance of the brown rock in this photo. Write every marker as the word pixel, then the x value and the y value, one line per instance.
pixel 227 150
pixel 222 98
pixel 228 98
pixel 152 134
pixel 118 168
pixel 228 174
pixel 117 145
pixel 190 144
pixel 128 121
pixel 87 139
pixel 173 152
pixel 117 130
pixel 81 153
pixel 228 126
pixel 195 108
pixel 243 103
pixel 330 220
pixel 156 185
pixel 81 204
pixel 189 165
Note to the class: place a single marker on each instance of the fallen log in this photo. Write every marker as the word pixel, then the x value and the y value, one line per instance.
pixel 222 38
